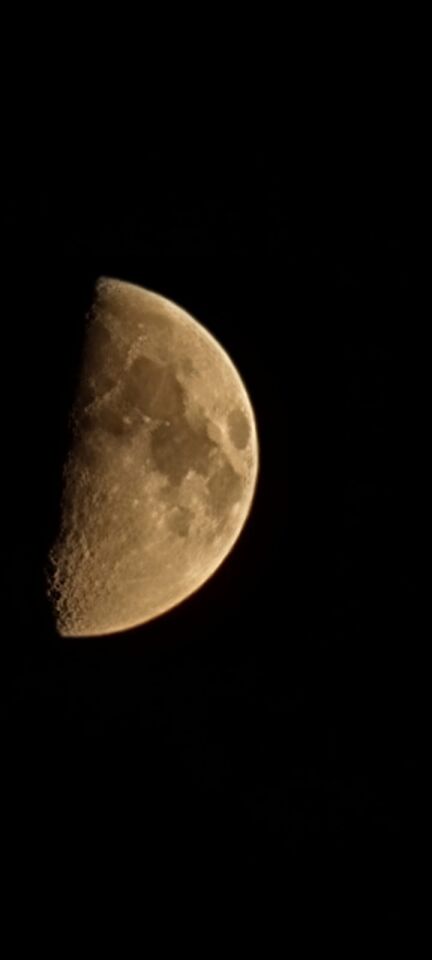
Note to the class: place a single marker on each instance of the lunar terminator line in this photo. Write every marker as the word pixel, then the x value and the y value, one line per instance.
pixel 162 470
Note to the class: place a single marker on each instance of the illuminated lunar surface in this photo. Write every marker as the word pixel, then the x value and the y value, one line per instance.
pixel 162 469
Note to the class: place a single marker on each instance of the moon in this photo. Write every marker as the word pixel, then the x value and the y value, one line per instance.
pixel 162 468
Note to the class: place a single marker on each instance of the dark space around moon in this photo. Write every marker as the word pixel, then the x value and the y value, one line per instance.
pixel 268 726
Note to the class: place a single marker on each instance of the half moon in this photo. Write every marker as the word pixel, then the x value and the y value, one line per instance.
pixel 162 469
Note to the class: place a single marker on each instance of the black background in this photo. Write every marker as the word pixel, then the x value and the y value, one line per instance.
pixel 268 728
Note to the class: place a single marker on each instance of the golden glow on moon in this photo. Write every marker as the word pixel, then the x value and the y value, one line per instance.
pixel 161 475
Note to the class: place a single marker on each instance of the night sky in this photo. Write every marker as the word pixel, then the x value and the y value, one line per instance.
pixel 269 726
